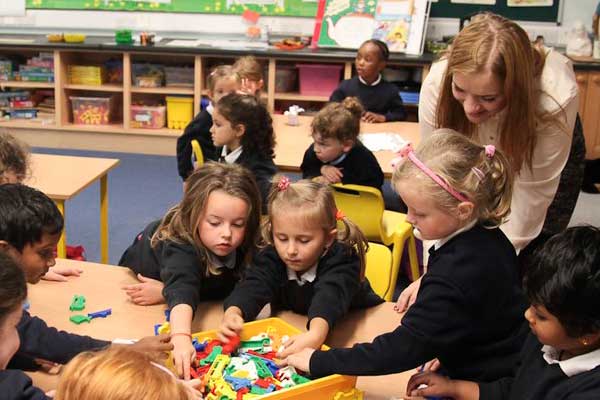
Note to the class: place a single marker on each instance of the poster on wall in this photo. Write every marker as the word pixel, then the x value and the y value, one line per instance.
pixel 530 3
pixel 488 2
pixel 347 24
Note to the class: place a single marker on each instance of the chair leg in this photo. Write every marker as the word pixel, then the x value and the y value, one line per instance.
pixel 397 250
pixel 413 258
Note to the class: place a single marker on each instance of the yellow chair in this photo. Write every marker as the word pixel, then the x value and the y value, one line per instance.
pixel 197 151
pixel 364 206
pixel 379 270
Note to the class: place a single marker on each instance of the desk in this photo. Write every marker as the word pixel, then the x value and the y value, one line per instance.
pixel 292 141
pixel 63 177
pixel 100 284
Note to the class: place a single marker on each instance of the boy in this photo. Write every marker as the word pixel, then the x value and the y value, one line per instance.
pixel 30 226
pixel 561 357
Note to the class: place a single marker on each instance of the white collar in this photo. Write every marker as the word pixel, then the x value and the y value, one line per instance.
pixel 210 108
pixel 308 276
pixel 338 160
pixel 231 157
pixel 572 366
pixel 445 240
pixel 372 84
pixel 222 262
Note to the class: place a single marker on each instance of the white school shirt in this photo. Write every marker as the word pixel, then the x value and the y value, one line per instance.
pixel 535 188
pixel 231 158
pixel 572 366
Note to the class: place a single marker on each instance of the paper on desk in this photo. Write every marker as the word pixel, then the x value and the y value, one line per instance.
pixel 382 141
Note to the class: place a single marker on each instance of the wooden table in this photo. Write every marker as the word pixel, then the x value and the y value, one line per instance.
pixel 101 284
pixel 292 141
pixel 63 177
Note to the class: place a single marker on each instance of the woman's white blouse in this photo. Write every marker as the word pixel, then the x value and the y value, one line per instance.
pixel 534 188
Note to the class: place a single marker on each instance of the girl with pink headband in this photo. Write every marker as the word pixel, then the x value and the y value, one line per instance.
pixel 469 308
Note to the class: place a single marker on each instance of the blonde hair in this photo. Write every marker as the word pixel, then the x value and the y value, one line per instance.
pixel 14 157
pixel 117 373
pixel 339 121
pixel 218 73
pixel 181 224
pixel 500 45
pixel 248 67
pixel 316 203
pixel 486 181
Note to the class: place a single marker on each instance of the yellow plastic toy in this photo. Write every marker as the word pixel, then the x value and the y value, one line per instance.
pixel 364 206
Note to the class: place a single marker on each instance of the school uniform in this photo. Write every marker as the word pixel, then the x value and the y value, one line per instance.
pixel 177 265
pixel 359 166
pixel 468 313
pixel 542 376
pixel 261 165
pixel 380 97
pixel 16 385
pixel 198 129
pixel 328 290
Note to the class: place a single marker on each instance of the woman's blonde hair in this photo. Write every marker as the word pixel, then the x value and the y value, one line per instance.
pixel 316 203
pixel 117 373
pixel 485 180
pixel 218 73
pixel 339 121
pixel 181 224
pixel 14 157
pixel 500 45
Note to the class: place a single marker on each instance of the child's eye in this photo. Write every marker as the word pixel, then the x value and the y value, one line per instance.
pixel 304 240
pixel 213 223
pixel 488 99
pixel 281 238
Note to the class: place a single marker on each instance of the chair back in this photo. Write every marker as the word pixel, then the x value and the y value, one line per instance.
pixel 379 270
pixel 363 205
pixel 197 152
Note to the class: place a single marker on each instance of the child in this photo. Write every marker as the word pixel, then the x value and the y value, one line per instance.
pixel 468 309
pixel 380 98
pixel 251 74
pixel 30 225
pixel 336 154
pixel 14 159
pixel 14 384
pixel 243 132
pixel 119 374
pixel 561 357
pixel 221 81
pixel 307 266
pixel 198 250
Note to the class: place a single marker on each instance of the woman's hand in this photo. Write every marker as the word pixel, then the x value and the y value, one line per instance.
pixel 145 293
pixel 59 274
pixel 407 297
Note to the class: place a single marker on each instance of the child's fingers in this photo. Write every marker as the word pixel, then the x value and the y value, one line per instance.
pixel 133 287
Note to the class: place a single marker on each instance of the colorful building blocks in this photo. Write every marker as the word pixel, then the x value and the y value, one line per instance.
pixel 100 314
pixel 78 319
pixel 78 303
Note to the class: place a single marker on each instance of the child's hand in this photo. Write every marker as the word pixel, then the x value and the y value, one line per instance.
pixel 59 274
pixel 159 344
pixel 407 297
pixel 184 354
pixel 332 174
pixel 440 386
pixel 372 117
pixel 231 325
pixel 432 365
pixel 300 342
pixel 250 87
pixel 192 388
pixel 300 360
pixel 146 293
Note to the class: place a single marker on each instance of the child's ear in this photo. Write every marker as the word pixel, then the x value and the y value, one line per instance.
pixel 347 145
pixel 465 210
pixel 331 236
pixel 4 246
pixel 210 95
pixel 260 84
pixel 240 129
pixel 7 248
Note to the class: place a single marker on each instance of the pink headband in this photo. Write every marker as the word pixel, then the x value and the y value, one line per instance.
pixel 407 151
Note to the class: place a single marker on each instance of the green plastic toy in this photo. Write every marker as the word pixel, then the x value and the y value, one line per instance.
pixel 78 319
pixel 78 303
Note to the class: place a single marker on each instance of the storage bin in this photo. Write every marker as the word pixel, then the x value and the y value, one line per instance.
pixel 286 79
pixel 86 74
pixel 179 76
pixel 318 79
pixel 180 111
pixel 323 388
pixel 152 117
pixel 92 110
pixel 147 75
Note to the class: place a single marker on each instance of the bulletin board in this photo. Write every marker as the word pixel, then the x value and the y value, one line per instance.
pixel 447 9
pixel 290 8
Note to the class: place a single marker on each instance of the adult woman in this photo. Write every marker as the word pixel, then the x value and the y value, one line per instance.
pixel 497 88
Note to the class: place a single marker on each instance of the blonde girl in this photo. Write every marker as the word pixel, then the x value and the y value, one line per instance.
pixel 337 155
pixel 250 72
pixel 198 250
pixel 307 266
pixel 468 312
pixel 221 81
pixel 119 374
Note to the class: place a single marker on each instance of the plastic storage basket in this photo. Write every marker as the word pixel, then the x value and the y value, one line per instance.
pixel 92 110
pixel 152 117
pixel 318 79
pixel 180 111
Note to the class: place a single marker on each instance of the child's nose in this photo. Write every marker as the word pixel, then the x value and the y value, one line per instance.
pixel 226 232
pixel 291 248
pixel 529 315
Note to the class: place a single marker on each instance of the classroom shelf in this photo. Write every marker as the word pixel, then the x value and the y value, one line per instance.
pixel 98 88
pixel 300 97
pixel 163 90
pixel 28 85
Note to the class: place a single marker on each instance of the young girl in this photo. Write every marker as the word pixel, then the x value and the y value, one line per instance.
pixel 469 307
pixel 14 384
pixel 336 154
pixel 120 374
pixel 307 266
pixel 198 250
pixel 250 73
pixel 221 81
pixel 14 159
pixel 243 132
pixel 380 98
pixel 561 357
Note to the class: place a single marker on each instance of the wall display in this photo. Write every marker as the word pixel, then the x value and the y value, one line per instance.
pixel 530 3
